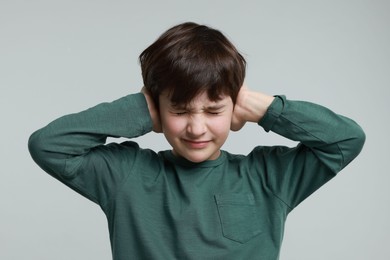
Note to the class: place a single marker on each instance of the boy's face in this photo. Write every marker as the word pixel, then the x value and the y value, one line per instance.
pixel 196 131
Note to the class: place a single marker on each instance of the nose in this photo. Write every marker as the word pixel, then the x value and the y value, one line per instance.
pixel 196 126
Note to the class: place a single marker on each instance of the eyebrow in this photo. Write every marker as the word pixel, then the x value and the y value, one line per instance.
pixel 213 107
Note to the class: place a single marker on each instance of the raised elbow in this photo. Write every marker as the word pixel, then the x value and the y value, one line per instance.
pixel 36 147
pixel 354 145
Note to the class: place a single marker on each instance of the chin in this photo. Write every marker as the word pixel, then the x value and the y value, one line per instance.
pixel 200 157
pixel 196 156
pixel 195 160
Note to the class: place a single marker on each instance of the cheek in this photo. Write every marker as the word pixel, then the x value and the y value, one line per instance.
pixel 172 125
pixel 221 125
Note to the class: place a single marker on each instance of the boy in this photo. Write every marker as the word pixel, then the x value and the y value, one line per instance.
pixel 196 201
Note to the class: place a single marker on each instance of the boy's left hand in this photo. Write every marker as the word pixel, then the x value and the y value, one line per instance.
pixel 250 107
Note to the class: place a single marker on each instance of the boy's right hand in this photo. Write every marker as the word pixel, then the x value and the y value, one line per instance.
pixel 153 110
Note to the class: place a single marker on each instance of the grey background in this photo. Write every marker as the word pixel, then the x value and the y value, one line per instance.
pixel 58 57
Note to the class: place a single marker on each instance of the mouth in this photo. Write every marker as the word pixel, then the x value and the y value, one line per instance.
pixel 196 144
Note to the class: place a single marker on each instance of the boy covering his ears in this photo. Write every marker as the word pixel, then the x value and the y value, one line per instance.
pixel 196 201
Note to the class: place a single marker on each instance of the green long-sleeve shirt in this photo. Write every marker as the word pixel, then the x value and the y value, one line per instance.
pixel 159 206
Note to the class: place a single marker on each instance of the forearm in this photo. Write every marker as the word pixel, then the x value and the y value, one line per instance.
pixel 74 135
pixel 335 139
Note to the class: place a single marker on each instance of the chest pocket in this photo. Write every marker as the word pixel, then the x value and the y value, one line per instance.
pixel 237 214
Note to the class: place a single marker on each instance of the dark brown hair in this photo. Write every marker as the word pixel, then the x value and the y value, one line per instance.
pixel 190 59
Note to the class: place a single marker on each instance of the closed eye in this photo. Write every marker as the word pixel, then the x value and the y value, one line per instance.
pixel 215 109
pixel 214 113
pixel 179 113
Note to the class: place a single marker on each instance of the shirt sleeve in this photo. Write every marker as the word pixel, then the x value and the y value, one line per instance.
pixel 327 143
pixel 71 148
